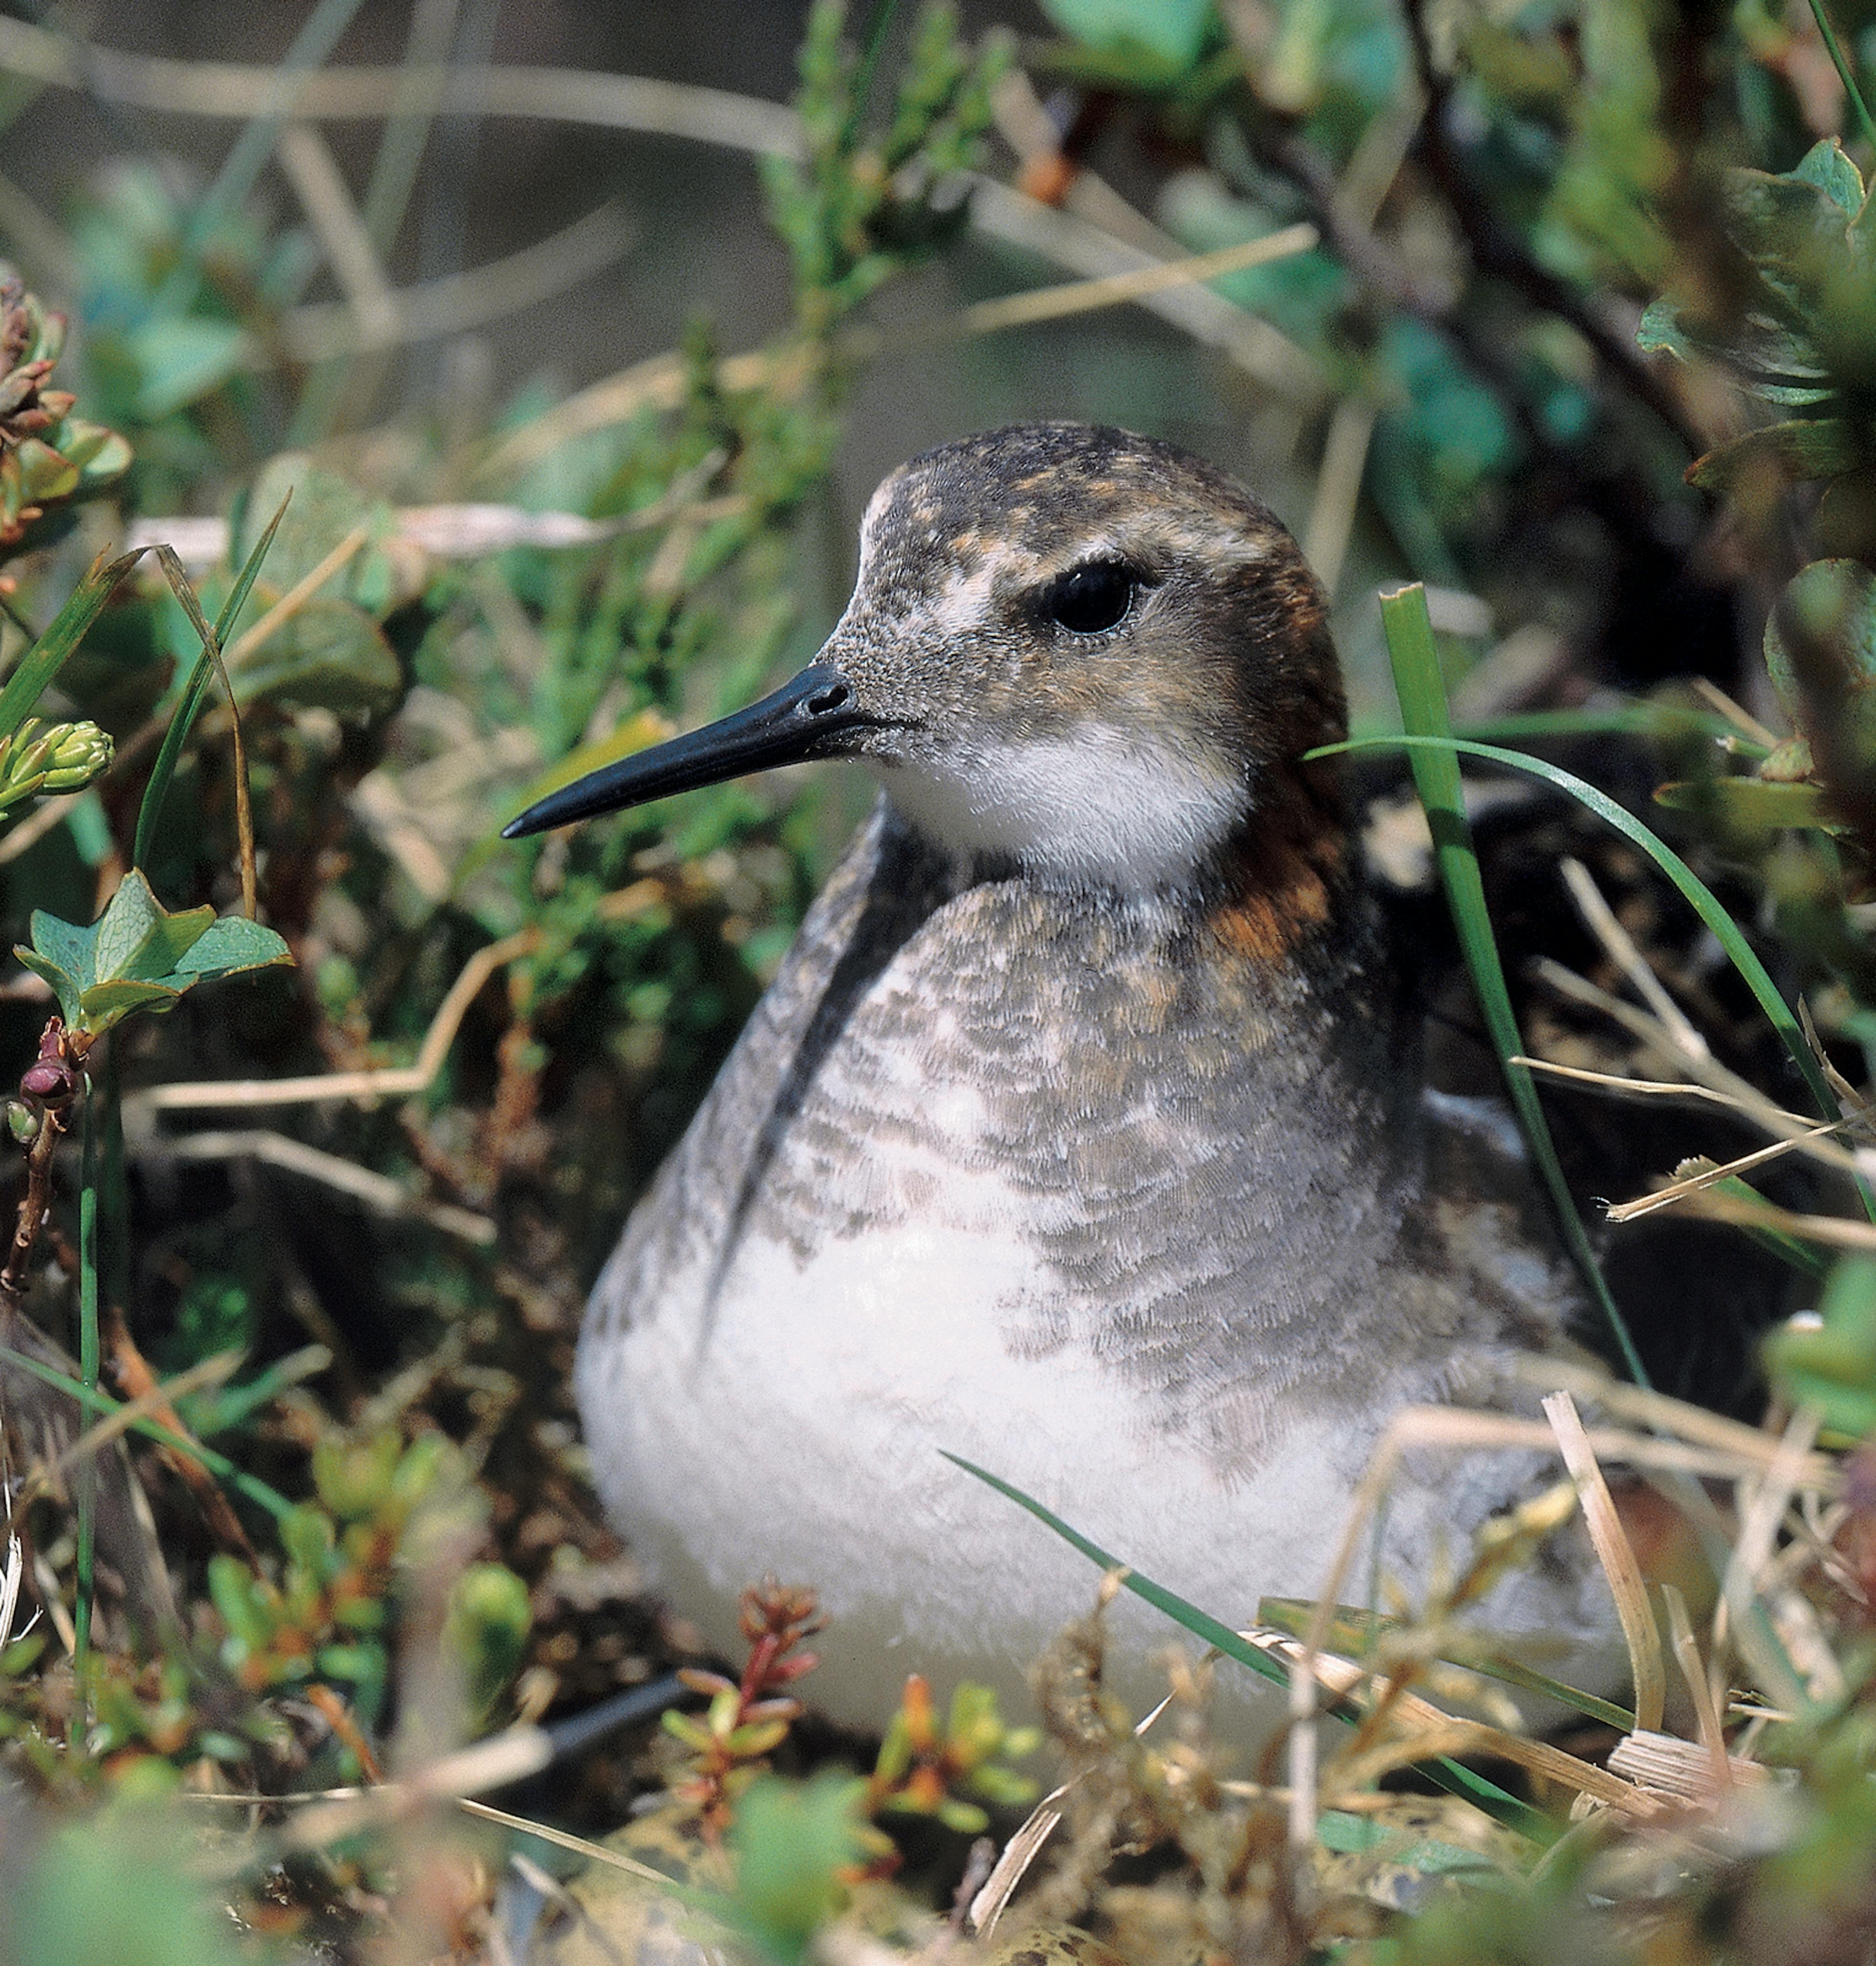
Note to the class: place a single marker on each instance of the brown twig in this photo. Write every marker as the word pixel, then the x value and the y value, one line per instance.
pixel 48 1086
pixel 137 1382
pixel 1497 251
pixel 33 1203
pixel 338 1717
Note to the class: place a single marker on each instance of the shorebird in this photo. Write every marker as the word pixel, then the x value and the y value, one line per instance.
pixel 1077 1134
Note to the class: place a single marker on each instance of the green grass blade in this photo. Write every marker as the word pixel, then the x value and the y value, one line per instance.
pixel 1422 693
pixel 84 1479
pixel 1621 720
pixel 1353 1631
pixel 213 640
pixel 1845 73
pixel 1693 890
pixel 1444 1773
pixel 43 661
pixel 93 1400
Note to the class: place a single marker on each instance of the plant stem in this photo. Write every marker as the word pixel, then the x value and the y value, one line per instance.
pixel 1845 74
pixel 85 1478
pixel 877 29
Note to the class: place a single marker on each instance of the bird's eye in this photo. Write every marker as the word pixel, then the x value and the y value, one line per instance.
pixel 1091 598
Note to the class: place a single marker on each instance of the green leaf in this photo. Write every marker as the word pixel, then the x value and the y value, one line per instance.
pixel 1833 1367
pixel 1746 804
pixel 229 944
pixel 331 656
pixel 179 358
pixel 1660 332
pixel 324 507
pixel 65 986
pixel 137 956
pixel 109 1003
pixel 64 943
pixel 43 661
pixel 1827 165
pixel 792 1840
pixel 1175 30
pixel 1803 448
pixel 1447 1774
pixel 1831 603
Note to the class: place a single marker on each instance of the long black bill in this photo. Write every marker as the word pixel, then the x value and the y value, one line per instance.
pixel 790 727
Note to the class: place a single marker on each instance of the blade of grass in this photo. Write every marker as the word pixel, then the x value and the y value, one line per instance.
pixel 164 770
pixel 1693 890
pixel 1354 1632
pixel 1422 693
pixel 232 1404
pixel 84 1480
pixel 92 1399
pixel 1845 73
pixel 43 661
pixel 1621 720
pixel 1443 1772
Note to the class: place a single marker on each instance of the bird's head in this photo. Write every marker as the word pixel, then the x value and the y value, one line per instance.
pixel 1078 651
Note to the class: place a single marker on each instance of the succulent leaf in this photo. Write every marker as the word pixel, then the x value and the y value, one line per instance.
pixel 47 457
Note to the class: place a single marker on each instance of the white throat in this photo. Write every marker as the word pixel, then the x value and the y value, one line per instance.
pixel 1105 805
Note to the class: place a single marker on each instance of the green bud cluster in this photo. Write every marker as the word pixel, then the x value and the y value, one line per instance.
pixel 61 758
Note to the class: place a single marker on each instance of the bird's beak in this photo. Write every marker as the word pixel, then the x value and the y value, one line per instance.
pixel 797 723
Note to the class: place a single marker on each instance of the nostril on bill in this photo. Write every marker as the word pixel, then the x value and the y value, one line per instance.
pixel 835 697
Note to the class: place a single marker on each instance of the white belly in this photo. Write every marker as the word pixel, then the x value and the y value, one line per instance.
pixel 801 1429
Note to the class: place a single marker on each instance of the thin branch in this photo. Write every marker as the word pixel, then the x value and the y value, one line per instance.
pixel 1498 251
pixel 378 1192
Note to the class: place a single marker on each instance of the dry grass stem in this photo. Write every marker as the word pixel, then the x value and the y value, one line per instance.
pixel 1617 1555
pixel 1685 1186
pixel 597 1853
pixel 455 303
pixel 1111 289
pixel 1644 1088
pixel 1683 1770
pixel 1836 1231
pixel 1600 919
pixel 1338 489
pixel 1421 1731
pixel 1736 713
pixel 212 1371
pixel 319 186
pixel 378 1192
pixel 1736 1447
pixel 1805 1135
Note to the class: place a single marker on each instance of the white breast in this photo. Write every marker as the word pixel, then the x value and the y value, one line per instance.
pixel 799 1426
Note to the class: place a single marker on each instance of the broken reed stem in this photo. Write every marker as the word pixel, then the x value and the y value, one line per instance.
pixel 1616 1555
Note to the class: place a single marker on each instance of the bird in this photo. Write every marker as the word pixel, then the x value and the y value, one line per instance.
pixel 1080 1134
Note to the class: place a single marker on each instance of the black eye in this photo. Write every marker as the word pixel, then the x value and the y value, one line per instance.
pixel 1091 598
